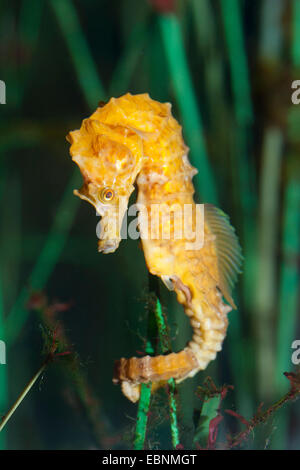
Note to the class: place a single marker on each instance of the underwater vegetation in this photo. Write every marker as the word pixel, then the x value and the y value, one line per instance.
pixel 68 313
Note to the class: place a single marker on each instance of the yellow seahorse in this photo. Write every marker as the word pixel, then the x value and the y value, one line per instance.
pixel 134 138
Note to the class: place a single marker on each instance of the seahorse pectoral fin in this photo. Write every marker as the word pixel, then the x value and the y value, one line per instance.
pixel 227 248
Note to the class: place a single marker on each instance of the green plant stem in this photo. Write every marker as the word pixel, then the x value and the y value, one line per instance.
pixel 288 298
pixel 271 31
pixel 290 247
pixel 28 30
pixel 145 392
pixel 144 401
pixel 266 268
pixel 241 119
pixel 272 46
pixel 166 348
pixel 156 324
pixel 208 412
pixel 243 111
pixel 142 416
pixel 214 83
pixel 295 49
pixel 187 103
pixel 157 66
pixel 173 413
pixel 231 15
pixel 79 51
pixel 30 20
pixel 124 70
pixel 23 395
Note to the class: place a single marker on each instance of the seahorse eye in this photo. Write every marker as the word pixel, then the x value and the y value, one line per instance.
pixel 106 194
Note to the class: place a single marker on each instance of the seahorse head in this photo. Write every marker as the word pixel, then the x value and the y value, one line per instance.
pixel 109 158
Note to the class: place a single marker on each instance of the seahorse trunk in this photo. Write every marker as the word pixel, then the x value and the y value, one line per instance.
pixel 189 270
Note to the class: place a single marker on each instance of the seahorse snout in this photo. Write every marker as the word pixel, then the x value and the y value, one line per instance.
pixel 109 232
pixel 108 246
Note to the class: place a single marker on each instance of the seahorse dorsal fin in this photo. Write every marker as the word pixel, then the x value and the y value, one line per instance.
pixel 227 247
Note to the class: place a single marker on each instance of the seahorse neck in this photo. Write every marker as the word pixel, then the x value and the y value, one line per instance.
pixel 166 181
